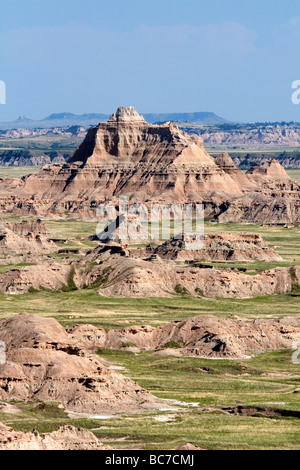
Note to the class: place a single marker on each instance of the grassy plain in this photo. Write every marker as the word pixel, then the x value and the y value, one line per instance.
pixel 17 171
pixel 202 394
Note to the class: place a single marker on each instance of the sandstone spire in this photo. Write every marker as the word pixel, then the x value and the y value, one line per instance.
pixel 126 137
pixel 126 115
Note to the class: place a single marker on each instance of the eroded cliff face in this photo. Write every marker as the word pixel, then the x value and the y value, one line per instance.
pixel 206 336
pixel 44 363
pixel 24 238
pixel 65 438
pixel 120 275
pixel 152 164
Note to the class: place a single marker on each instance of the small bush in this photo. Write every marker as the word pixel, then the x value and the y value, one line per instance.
pixel 179 289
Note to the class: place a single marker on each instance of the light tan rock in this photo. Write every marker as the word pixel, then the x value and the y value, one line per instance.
pixel 44 363
pixel 152 164
pixel 125 276
pixel 271 169
pixel 25 238
pixel 52 276
pixel 206 336
pixel 189 446
pixel 65 438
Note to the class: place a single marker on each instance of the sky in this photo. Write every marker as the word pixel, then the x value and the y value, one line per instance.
pixel 237 58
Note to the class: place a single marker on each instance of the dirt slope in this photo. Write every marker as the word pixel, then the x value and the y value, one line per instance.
pixel 206 336
pixel 44 363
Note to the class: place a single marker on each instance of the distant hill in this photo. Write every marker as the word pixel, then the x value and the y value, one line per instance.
pixel 69 119
pixel 198 118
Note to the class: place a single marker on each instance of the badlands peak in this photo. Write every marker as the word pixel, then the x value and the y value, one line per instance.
pixel 128 139
pixel 126 115
pixel 153 164
pixel 270 169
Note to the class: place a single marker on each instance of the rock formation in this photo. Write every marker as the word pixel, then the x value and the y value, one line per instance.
pixel 65 438
pixel 152 163
pixel 189 447
pixel 206 336
pixel 119 275
pixel 270 169
pixel 52 276
pixel 44 363
pixel 25 238
pixel 154 272
pixel 220 247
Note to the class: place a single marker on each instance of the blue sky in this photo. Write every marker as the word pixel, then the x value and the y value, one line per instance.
pixel 235 58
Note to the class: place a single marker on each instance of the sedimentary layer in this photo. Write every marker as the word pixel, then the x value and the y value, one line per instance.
pixel 149 163
pixel 44 363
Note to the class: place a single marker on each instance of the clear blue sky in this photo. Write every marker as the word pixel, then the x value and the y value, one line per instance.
pixel 236 58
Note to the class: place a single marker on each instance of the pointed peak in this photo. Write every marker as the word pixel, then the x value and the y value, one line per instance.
pixel 224 159
pixel 271 168
pixel 126 115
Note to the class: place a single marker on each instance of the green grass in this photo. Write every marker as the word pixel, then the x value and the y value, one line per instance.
pixel 267 380
pixel 10 267
pixel 295 174
pixel 87 306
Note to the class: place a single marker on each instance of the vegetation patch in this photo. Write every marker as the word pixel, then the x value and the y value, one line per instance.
pixel 181 290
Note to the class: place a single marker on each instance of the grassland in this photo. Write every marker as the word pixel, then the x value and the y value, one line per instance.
pixel 295 174
pixel 198 389
pixel 17 171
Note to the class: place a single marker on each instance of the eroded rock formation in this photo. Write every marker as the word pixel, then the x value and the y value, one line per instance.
pixel 120 275
pixel 65 438
pixel 152 163
pixel 25 238
pixel 206 336
pixel 220 247
pixel 44 363
pixel 52 276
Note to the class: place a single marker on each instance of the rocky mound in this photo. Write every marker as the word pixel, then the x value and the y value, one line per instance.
pixel 119 275
pixel 225 162
pixel 52 276
pixel 117 272
pixel 220 247
pixel 152 163
pixel 25 238
pixel 189 446
pixel 44 363
pixel 205 335
pixel 65 438
pixel 26 228
pixel 270 169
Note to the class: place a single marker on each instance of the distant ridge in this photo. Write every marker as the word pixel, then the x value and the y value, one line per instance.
pixel 89 119
pixel 198 118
